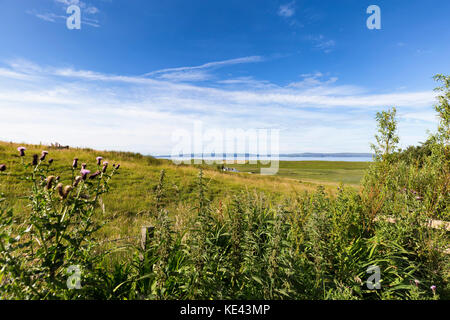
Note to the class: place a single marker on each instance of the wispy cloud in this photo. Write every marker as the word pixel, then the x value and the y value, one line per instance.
pixel 201 72
pixel 47 16
pixel 64 4
pixel 249 82
pixel 322 43
pixel 287 10
pixel 288 13
pixel 137 113
pixel 87 8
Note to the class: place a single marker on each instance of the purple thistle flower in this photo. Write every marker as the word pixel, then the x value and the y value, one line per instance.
pixel 35 160
pixel 105 166
pixel 75 163
pixel 2 167
pixel 433 288
pixel 84 173
pixel 99 159
pixel 44 153
pixel 22 151
pixel 117 167
pixel 416 282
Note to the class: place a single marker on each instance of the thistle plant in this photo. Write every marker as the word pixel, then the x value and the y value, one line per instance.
pixel 55 236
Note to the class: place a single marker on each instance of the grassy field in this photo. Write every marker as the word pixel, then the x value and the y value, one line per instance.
pixel 319 172
pixel 133 190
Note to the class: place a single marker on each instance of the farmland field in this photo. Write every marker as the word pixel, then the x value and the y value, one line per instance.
pixel 320 172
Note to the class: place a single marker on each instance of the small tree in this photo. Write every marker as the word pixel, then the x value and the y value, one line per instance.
pixel 387 139
pixel 443 108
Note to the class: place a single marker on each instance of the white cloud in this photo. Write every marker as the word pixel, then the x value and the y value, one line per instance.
pixel 46 16
pixel 91 10
pixel 287 10
pixel 322 43
pixel 53 17
pixel 248 82
pixel 136 113
pixel 68 2
pixel 201 72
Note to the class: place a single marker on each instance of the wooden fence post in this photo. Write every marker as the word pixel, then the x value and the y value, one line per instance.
pixel 146 234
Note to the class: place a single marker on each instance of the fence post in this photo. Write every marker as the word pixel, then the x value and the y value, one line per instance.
pixel 146 234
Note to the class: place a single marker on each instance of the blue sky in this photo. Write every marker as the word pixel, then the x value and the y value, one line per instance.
pixel 138 70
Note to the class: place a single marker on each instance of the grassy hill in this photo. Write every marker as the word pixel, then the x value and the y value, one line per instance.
pixel 132 193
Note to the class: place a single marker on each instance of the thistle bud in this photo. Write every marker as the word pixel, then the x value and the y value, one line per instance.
pixel 75 163
pixel 105 166
pixel 99 159
pixel 117 167
pixel 83 166
pixel 66 191
pixel 59 188
pixel 43 155
pixel 21 151
pixel 77 181
pixel 94 175
pixel 49 180
pixel 2 167
pixel 35 160
pixel 50 161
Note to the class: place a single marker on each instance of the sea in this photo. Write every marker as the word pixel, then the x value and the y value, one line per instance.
pixel 311 158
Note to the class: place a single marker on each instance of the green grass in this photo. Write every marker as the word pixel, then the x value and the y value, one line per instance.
pixel 133 190
pixel 322 172
pixel 275 241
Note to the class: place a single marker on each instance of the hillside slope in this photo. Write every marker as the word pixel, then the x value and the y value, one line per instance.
pixel 132 193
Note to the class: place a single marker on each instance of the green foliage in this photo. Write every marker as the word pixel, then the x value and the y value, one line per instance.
pixel 443 108
pixel 387 139
pixel 55 238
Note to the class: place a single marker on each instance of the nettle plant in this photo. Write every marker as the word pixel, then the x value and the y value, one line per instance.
pixel 53 250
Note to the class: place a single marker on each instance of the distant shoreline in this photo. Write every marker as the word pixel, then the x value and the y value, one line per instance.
pixel 282 155
pixel 309 157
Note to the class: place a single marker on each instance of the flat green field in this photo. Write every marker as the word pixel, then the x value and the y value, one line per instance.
pixel 322 172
